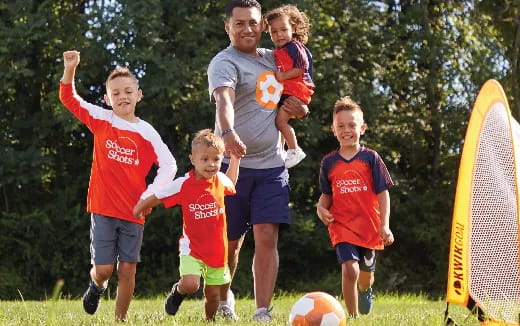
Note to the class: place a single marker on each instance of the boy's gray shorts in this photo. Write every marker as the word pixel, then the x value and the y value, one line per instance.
pixel 113 239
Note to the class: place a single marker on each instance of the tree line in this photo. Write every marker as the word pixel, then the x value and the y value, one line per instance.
pixel 415 66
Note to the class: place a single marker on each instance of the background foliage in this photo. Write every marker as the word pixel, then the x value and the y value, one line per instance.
pixel 415 66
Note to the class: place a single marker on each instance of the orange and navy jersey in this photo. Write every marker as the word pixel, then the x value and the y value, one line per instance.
pixel 204 234
pixel 295 55
pixel 354 185
pixel 123 154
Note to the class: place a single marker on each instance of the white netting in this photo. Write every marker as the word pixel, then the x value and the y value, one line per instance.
pixel 494 267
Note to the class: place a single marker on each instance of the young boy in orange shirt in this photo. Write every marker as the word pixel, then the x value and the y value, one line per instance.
pixel 355 205
pixel 125 148
pixel 203 247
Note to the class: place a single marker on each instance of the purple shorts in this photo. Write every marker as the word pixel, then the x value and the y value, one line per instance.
pixel 365 257
pixel 262 197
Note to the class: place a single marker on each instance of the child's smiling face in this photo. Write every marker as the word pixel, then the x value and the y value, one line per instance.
pixel 206 160
pixel 348 126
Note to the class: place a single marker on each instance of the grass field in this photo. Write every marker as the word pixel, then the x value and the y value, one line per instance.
pixel 388 310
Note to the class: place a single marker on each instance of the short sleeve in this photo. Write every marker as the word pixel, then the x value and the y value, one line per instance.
pixel 297 52
pixel 382 178
pixel 171 193
pixel 325 187
pixel 221 73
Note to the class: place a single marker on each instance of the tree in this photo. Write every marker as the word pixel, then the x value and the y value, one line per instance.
pixel 504 20
pixel 414 66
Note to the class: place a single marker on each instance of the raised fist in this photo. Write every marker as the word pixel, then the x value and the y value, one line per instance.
pixel 70 59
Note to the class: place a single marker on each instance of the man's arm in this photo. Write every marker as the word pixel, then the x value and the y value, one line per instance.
pixel 225 117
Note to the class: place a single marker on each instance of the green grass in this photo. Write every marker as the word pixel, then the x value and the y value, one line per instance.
pixel 388 310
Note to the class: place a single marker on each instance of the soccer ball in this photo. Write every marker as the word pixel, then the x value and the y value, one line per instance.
pixel 317 309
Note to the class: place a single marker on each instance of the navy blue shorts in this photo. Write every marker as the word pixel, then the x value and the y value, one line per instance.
pixel 282 99
pixel 113 239
pixel 262 197
pixel 365 257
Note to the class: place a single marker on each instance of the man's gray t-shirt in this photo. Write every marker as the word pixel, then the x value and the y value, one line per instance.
pixel 256 95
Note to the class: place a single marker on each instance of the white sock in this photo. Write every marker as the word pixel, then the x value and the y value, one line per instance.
pixel 262 309
pixel 223 303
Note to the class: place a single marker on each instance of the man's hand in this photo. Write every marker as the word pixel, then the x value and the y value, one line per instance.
pixel 234 146
pixel 71 59
pixel 295 107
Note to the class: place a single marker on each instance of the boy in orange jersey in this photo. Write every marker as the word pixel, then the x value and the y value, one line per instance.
pixel 203 245
pixel 125 148
pixel 355 205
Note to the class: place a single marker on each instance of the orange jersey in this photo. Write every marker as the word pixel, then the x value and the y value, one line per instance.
pixel 295 55
pixel 204 234
pixel 123 155
pixel 354 185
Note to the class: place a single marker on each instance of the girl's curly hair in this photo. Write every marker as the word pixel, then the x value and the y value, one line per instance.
pixel 298 19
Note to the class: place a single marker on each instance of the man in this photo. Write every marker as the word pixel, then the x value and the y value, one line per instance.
pixel 243 86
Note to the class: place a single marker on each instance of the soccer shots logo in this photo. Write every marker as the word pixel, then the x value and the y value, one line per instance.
pixel 206 206
pixel 123 150
pixel 351 182
pixel 268 90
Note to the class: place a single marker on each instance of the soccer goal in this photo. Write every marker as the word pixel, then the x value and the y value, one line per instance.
pixel 484 261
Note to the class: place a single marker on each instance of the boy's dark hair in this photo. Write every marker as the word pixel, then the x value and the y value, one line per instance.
pixel 298 19
pixel 241 4
pixel 122 72
pixel 346 104
pixel 207 138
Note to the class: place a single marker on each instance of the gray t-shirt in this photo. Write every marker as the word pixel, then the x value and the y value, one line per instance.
pixel 256 95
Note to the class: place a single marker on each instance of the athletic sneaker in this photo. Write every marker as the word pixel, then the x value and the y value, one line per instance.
pixel 227 308
pixel 228 313
pixel 263 315
pixel 91 298
pixel 173 301
pixel 294 156
pixel 365 301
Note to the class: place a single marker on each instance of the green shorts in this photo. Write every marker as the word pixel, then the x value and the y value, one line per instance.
pixel 212 276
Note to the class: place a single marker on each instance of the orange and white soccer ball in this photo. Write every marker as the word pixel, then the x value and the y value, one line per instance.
pixel 317 309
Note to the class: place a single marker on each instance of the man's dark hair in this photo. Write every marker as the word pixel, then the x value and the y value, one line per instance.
pixel 241 4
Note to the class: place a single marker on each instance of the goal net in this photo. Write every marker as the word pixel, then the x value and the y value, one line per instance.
pixel 484 264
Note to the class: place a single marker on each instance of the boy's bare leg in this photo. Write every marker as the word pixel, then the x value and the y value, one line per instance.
pixel 211 299
pixel 349 280
pixel 100 274
pixel 125 288
pixel 265 262
pixel 233 254
pixel 188 284
pixel 366 280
